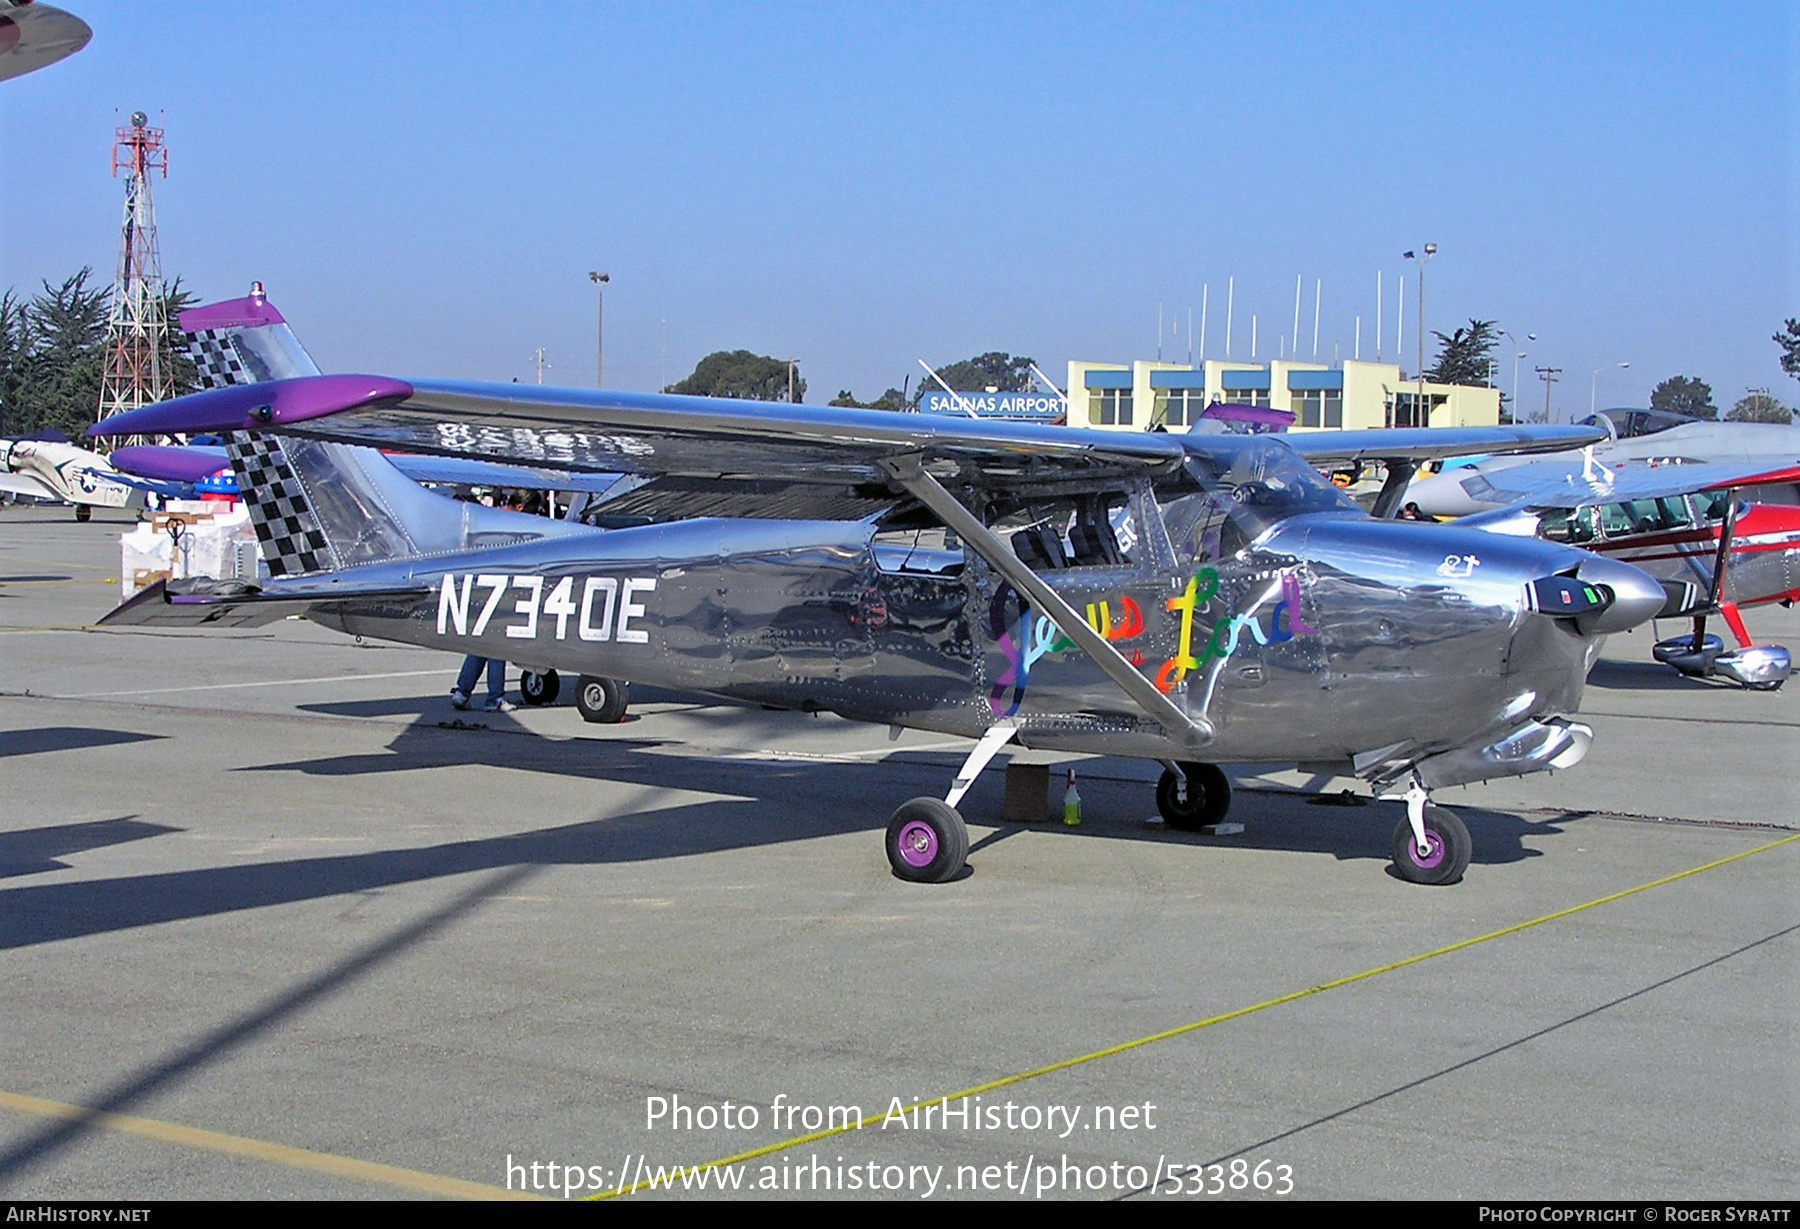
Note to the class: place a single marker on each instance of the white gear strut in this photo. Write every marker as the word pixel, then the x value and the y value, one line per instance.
pixel 996 737
pixel 1417 797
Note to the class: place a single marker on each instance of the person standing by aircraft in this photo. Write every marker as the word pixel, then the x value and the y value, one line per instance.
pixel 496 685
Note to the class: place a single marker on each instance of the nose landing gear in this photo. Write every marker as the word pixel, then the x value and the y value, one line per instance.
pixel 1431 845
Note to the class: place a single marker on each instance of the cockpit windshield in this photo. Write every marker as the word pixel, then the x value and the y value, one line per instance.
pixel 1235 489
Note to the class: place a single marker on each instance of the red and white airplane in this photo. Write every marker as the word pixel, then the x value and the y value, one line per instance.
pixel 1694 527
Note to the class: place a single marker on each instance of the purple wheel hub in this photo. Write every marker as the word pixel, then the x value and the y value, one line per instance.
pixel 918 844
pixel 1432 859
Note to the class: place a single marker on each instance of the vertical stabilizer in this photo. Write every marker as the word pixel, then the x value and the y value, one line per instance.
pixel 318 506
pixel 244 341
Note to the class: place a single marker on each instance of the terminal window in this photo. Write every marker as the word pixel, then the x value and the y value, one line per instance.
pixel 1109 407
pixel 1319 407
pixel 1184 407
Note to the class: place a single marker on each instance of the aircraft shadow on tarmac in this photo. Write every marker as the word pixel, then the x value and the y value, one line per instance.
pixel 766 802
pixel 1650 676
pixel 34 850
pixel 1116 809
pixel 66 738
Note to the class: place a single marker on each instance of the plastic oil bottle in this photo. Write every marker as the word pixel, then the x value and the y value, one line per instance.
pixel 1071 803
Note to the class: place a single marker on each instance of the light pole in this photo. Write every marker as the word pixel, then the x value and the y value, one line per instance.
pixel 599 280
pixel 1430 250
pixel 1594 386
pixel 1517 355
pixel 790 366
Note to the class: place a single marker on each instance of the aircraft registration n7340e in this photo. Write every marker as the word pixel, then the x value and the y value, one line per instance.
pixel 1194 600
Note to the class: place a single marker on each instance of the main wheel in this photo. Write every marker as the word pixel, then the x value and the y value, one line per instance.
pixel 927 841
pixel 83 512
pixel 536 689
pixel 1446 856
pixel 602 700
pixel 1208 797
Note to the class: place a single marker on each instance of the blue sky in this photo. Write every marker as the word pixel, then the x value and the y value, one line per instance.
pixel 423 188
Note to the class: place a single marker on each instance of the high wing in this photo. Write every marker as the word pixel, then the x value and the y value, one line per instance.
pixel 1402 449
pixel 705 456
pixel 195 463
pixel 1435 443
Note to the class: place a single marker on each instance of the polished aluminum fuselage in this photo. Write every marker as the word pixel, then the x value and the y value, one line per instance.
pixel 1330 638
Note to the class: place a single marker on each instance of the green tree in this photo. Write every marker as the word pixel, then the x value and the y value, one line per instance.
pixel 1759 406
pixel 1789 341
pixel 178 369
pixel 15 345
pixel 53 355
pixel 67 355
pixel 892 399
pixel 739 373
pixel 1684 395
pixel 1001 372
pixel 1465 356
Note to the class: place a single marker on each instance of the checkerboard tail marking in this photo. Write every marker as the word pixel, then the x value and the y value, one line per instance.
pixel 293 542
pixel 217 359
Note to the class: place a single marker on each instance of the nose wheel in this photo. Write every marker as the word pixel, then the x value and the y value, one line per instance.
pixel 1437 852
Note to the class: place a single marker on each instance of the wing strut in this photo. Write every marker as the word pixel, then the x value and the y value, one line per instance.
pixel 1715 597
pixel 1400 472
pixel 909 472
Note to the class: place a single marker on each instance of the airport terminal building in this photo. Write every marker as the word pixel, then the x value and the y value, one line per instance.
pixel 1143 395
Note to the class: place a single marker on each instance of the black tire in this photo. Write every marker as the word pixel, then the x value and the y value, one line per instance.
pixel 83 512
pixel 1208 797
pixel 927 841
pixel 539 689
pixel 1450 849
pixel 602 700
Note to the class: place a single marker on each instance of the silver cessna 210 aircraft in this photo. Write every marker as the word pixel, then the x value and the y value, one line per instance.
pixel 1194 600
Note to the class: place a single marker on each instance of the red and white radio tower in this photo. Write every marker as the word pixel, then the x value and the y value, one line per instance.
pixel 138 330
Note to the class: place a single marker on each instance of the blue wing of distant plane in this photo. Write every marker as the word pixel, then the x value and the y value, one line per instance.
pixel 1553 484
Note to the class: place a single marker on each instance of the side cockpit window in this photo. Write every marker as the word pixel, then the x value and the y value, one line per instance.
pixel 1235 490
pixel 1085 531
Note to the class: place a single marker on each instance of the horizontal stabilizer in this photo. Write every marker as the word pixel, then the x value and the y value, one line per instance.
pixel 235 603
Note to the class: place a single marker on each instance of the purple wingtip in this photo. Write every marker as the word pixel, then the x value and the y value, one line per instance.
pixel 255 407
pixel 248 312
pixel 167 463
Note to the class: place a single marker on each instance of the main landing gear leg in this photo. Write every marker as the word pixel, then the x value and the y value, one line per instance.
pixel 1431 845
pixel 1192 796
pixel 927 841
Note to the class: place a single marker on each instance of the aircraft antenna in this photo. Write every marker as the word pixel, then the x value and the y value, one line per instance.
pixel 137 330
